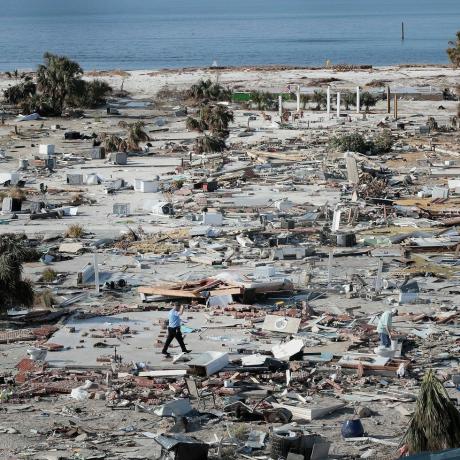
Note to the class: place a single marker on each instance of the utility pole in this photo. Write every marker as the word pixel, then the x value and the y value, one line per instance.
pixel 388 100
pixel 298 98
pixel 358 100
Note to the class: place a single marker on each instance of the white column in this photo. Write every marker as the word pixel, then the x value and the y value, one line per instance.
pixel 298 98
pixel 280 106
pixel 358 99
pixel 338 105
pixel 96 273
pixel 328 103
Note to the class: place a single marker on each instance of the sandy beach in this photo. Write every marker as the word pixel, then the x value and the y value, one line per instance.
pixel 145 83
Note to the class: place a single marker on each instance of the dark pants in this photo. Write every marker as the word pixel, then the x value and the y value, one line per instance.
pixel 174 333
pixel 385 340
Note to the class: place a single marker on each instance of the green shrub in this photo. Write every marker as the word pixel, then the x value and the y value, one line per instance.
pixel 48 275
pixel 350 143
pixel 356 142
pixel 383 143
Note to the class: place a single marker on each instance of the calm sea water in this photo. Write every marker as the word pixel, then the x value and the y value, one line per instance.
pixel 147 34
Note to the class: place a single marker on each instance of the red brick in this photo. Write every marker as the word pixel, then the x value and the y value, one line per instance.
pixel 144 382
pixel 27 365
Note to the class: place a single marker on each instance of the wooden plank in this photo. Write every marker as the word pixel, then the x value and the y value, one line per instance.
pixel 168 292
pixel 208 286
pixel 163 373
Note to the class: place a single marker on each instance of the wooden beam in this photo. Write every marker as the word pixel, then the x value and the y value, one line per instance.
pixel 183 293
pixel 168 292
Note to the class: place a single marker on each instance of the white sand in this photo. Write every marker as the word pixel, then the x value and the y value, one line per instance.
pixel 145 83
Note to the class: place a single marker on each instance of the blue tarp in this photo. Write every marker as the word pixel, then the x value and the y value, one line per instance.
pixel 449 454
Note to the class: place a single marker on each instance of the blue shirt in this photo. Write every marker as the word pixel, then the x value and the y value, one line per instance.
pixel 174 318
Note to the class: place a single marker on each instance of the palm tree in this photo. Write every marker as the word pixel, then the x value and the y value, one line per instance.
pixel 58 79
pixel 37 103
pixel 218 119
pixel 113 143
pixel 59 84
pixel 207 90
pixel 214 118
pixel 258 99
pixel 199 90
pixel 368 100
pixel 18 93
pixel 89 94
pixel 436 421
pixel 304 100
pixel 14 291
pixel 193 124
pixel 136 134
pixel 209 144
pixel 348 99
pixel 454 51
pixel 271 102
pixel 219 93
pixel 320 99
pixel 263 100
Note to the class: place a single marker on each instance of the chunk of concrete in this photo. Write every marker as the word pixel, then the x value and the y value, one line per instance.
pixel 121 209
pixel 46 149
pixel 71 248
pixel 277 323
pixel 213 218
pixel 177 407
pixel 209 363
pixel 253 360
pixel 146 186
pixel 352 168
pixel 285 350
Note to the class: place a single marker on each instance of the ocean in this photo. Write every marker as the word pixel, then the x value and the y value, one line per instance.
pixel 152 34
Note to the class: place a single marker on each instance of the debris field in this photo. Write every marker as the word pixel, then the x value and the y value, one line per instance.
pixel 284 250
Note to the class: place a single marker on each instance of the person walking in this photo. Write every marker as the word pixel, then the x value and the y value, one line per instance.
pixel 385 326
pixel 174 331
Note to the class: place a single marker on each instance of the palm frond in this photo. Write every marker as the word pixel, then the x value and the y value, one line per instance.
pixel 436 421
